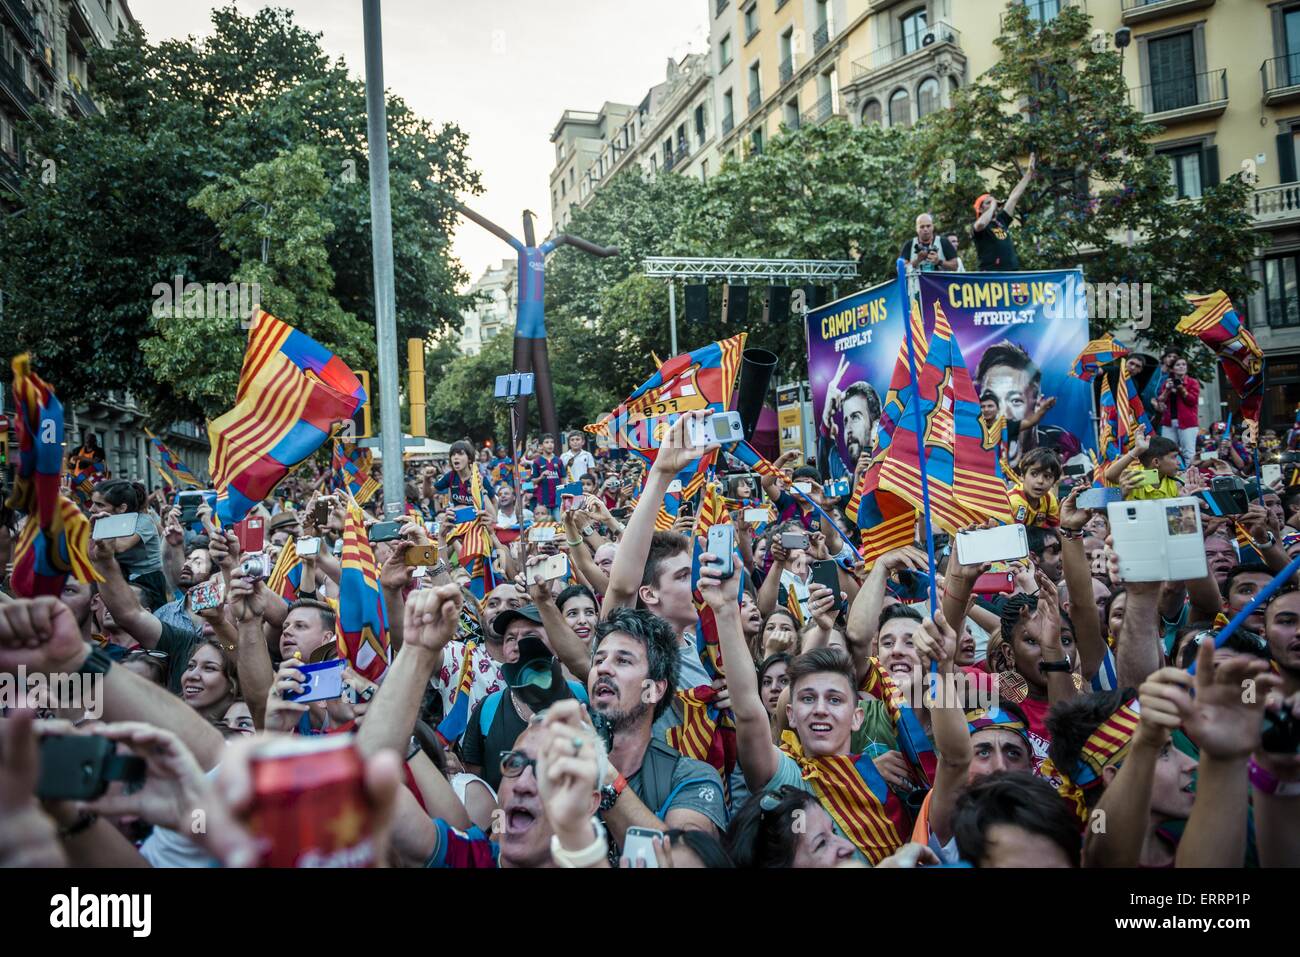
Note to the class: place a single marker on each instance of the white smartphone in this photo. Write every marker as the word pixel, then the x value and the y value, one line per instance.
pixel 556 566
pixel 755 515
pixel 636 845
pixel 115 526
pixel 722 546
pixel 1209 454
pixel 307 547
pixel 1270 473
pixel 1158 539
pixel 675 487
pixel 541 534
pixel 721 427
pixel 804 487
pixel 1002 544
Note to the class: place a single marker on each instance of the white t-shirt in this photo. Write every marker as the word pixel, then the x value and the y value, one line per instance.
pixel 487 674
pixel 577 464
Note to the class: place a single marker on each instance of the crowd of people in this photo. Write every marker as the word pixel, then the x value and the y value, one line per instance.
pixel 1043 713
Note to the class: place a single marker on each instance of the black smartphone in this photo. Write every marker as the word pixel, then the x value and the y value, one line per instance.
pixel 190 502
pixel 912 585
pixel 827 573
pixel 385 531
pixel 79 767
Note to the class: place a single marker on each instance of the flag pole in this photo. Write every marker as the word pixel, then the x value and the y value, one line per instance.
pixel 904 287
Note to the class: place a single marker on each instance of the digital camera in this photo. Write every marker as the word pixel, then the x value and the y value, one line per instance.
pixel 256 566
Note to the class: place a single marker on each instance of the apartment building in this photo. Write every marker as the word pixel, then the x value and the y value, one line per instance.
pixel 45 61
pixel 780 63
pixel 580 137
pixel 488 319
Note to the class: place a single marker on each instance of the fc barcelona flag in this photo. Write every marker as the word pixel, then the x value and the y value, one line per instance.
pixel 292 392
pixel 1097 354
pixel 1216 323
pixel 54 541
pixel 171 468
pixel 350 469
pixel 363 619
pixel 961 464
pixel 702 379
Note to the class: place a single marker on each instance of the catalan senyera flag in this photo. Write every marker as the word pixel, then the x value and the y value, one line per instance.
pixel 1131 412
pixel 350 469
pixel 55 538
pixel 1096 355
pixel 292 392
pixel 170 467
pixel 476 544
pixel 363 619
pixel 1108 428
pixel 960 464
pixel 701 379
pixel 853 793
pixel 1216 323
pixel 456 720
pixel 286 577
pixel 706 733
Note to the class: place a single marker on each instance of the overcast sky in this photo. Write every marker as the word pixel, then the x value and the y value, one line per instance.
pixel 504 70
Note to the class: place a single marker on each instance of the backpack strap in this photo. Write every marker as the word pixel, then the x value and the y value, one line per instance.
pixel 489 711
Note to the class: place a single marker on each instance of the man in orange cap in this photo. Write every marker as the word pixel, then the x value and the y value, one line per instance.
pixel 992 229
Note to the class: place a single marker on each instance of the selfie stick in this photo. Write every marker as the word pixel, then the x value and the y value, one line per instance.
pixel 904 289
pixel 1263 595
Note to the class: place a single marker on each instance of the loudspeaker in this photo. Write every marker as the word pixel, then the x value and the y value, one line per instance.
pixel 697 303
pixel 756 368
pixel 735 304
pixel 812 296
pixel 776 304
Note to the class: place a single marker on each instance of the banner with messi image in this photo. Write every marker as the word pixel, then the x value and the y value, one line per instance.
pixel 1019 334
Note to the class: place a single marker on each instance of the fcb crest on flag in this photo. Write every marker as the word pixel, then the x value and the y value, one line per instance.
pixel 701 379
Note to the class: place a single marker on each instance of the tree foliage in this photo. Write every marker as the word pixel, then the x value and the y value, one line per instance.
pixel 80 261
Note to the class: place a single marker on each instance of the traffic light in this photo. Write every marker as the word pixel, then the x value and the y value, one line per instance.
pixel 361 418
pixel 415 385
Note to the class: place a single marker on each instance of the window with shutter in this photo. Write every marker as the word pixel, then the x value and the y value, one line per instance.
pixel 1172 62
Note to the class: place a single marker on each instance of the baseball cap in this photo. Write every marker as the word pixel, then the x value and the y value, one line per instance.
pixel 503 620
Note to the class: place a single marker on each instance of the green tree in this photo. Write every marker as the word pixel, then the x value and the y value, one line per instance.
pixel 1101 196
pixel 79 262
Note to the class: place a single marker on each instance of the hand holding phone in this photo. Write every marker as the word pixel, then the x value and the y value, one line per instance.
pixel 722 546
pixel 115 526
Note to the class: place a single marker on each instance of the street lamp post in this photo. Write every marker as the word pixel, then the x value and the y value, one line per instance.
pixel 381 233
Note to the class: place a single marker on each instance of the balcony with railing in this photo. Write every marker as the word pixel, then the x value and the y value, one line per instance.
pixel 937 37
pixel 22 20
pixel 11 84
pixel 1276 205
pixel 785 72
pixel 1280 77
pixel 683 151
pixel 821 111
pixel 669 162
pixel 82 101
pixel 1187 97
pixel 1140 11
pixel 728 123
pixel 755 98
pixel 821 37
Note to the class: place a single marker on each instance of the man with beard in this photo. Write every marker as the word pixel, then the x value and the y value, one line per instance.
pixel 1282 631
pixel 858 408
pixel 631 683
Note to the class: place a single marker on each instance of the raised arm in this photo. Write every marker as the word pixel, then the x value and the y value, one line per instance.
pixel 121 602
pixel 568 647
pixel 758 757
pixel 936 641
pixel 1078 581
pixel 1019 189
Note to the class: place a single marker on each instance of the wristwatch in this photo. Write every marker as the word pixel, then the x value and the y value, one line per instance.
pixel 1266 543
pixel 588 531
pixel 1062 665
pixel 610 792
pixel 593 853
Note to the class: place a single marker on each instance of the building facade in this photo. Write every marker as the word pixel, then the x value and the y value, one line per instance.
pixel 46 49
pixel 579 139
pixel 494 313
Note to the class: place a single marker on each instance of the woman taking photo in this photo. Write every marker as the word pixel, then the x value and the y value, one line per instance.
pixel 1178 407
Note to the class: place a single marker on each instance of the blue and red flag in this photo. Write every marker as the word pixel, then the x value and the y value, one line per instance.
pixel 1131 411
pixel 456 720
pixel 1108 428
pixel 1096 355
pixel 292 392
pixel 363 619
pixel 350 469
pixel 1216 323
pixel 170 467
pixel 960 463
pixel 701 379
pixel 476 543
pixel 55 538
